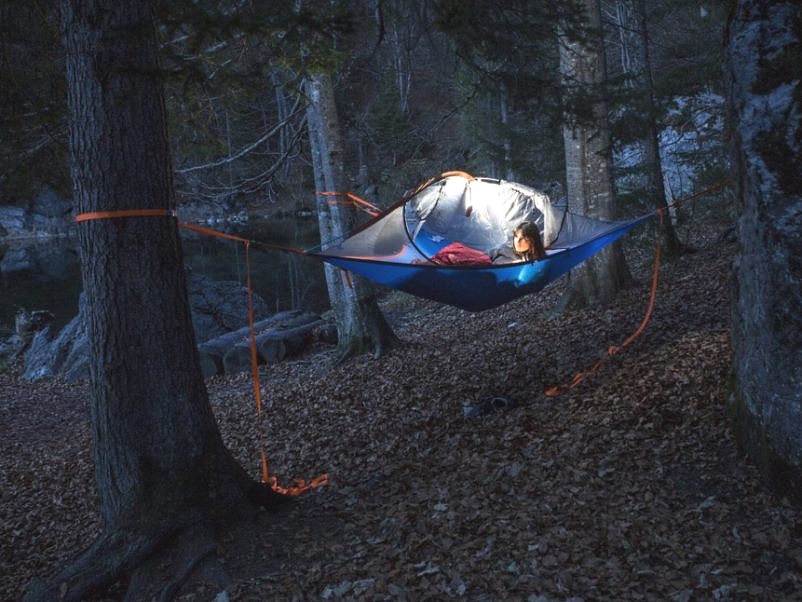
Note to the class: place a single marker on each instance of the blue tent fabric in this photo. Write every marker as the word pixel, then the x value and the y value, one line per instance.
pixel 394 249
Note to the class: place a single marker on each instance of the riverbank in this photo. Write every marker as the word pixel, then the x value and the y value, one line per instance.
pixel 44 273
pixel 627 487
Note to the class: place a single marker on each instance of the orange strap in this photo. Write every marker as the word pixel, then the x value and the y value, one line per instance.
pixel 85 217
pixel 300 485
pixel 352 200
pixel 713 188
pixel 215 233
pixel 218 234
pixel 257 389
pixel 612 350
pixel 464 174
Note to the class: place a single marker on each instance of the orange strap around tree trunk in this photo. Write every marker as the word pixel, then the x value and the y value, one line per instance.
pixel 85 217
pixel 612 350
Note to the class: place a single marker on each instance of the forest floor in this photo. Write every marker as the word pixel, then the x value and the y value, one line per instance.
pixel 626 487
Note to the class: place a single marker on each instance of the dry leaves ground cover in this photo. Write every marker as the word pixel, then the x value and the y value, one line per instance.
pixel 627 487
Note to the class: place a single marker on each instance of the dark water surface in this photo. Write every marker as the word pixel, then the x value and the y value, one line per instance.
pixel 46 274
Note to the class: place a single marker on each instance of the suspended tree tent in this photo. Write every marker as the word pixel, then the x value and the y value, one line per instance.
pixel 397 247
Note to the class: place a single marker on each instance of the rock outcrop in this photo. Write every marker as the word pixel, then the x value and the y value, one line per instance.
pixel 47 215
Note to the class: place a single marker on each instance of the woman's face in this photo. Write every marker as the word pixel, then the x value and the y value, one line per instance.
pixel 520 242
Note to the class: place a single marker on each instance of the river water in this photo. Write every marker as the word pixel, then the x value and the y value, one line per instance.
pixel 46 274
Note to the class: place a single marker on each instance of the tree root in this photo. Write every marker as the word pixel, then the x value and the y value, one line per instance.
pixel 158 571
pixel 97 568
pixel 374 334
pixel 157 564
pixel 262 495
pixel 173 587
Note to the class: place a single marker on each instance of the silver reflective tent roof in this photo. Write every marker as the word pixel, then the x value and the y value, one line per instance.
pixel 478 212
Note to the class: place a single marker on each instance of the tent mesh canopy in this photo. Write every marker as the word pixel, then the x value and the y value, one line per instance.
pixel 477 212
pixel 395 248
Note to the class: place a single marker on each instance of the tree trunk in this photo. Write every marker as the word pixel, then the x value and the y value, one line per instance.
pixel 655 184
pixel 765 99
pixel 361 326
pixel 588 165
pixel 630 21
pixel 504 116
pixel 160 462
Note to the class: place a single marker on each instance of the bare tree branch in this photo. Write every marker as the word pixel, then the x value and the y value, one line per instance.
pixel 244 151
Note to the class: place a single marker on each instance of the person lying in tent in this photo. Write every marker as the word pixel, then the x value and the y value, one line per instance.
pixel 526 246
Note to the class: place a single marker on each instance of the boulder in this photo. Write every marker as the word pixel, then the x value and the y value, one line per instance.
pixel 220 306
pixel 12 221
pixel 52 258
pixel 26 326
pixel 47 215
pixel 10 349
pixel 40 357
pixel 68 351
pixel 17 260
pixel 49 204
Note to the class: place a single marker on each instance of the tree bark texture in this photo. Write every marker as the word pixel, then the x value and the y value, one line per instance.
pixel 159 459
pixel 360 324
pixel 765 96
pixel 588 165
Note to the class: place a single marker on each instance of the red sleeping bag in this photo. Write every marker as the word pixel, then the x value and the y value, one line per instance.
pixel 458 254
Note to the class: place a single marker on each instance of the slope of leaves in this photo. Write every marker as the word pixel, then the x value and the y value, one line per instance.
pixel 627 487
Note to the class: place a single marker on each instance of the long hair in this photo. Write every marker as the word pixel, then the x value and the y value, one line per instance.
pixel 532 235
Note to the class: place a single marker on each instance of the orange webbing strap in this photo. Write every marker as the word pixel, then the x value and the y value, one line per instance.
pixel 445 174
pixel 352 200
pixel 257 389
pixel 612 350
pixel 652 296
pixel 85 217
pixel 707 190
pixel 300 485
pixel 464 174
pixel 218 234
pixel 215 233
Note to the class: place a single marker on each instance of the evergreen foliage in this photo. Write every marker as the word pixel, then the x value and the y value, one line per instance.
pixel 421 88
pixel 680 92
pixel 32 103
